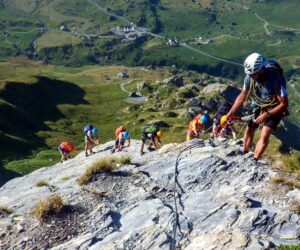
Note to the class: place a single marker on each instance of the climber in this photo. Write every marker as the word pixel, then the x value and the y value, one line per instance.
pixel 223 109
pixel 90 138
pixel 220 128
pixel 122 135
pixel 151 132
pixel 65 148
pixel 196 126
pixel 264 83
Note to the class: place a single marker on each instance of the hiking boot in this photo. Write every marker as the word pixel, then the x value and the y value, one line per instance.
pixel 86 154
pixel 112 151
pixel 142 153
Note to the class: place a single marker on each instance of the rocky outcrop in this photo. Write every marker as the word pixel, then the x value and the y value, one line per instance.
pixel 174 80
pixel 133 94
pixel 191 195
pixel 190 113
pixel 143 85
pixel 213 88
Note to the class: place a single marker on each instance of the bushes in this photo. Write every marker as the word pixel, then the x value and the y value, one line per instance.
pixel 125 159
pixel 41 183
pixel 4 210
pixel 49 206
pixel 107 164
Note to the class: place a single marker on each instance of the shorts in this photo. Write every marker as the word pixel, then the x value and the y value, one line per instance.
pixel 88 141
pixel 271 122
pixel 117 142
pixel 63 151
pixel 147 136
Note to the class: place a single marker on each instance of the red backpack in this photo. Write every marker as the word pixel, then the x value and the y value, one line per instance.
pixel 119 130
pixel 67 146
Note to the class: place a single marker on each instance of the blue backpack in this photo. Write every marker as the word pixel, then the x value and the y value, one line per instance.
pixel 87 128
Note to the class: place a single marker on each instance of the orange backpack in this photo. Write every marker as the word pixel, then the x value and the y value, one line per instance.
pixel 197 117
pixel 67 146
pixel 119 130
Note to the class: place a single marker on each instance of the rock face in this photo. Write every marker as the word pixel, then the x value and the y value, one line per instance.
pixel 202 198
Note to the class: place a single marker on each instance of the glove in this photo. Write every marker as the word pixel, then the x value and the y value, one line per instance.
pixel 248 118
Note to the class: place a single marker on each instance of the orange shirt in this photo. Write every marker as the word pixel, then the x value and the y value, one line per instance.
pixel 195 125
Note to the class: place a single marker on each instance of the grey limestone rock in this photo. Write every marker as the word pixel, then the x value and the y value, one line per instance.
pixel 188 195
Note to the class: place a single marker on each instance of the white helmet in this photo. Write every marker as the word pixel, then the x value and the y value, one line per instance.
pixel 253 63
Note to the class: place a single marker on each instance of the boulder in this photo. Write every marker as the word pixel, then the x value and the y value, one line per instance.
pixel 143 85
pixel 213 88
pixel 159 123
pixel 190 113
pixel 193 102
pixel 169 114
pixel 191 87
pixel 230 93
pixel 210 104
pixel 133 94
pixel 186 93
pixel 174 80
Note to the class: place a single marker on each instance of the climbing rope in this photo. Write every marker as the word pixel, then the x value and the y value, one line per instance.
pixel 176 216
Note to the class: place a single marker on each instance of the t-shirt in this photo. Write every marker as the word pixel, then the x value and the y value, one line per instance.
pixel 273 86
pixel 195 125
pixel 89 134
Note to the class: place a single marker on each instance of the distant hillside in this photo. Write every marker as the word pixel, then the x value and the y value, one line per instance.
pixel 81 32
pixel 204 35
pixel 63 38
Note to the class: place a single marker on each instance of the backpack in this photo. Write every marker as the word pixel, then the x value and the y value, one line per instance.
pixel 87 128
pixel 150 129
pixel 273 65
pixel 119 130
pixel 197 117
pixel 67 146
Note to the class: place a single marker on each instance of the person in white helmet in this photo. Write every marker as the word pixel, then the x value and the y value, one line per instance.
pixel 264 83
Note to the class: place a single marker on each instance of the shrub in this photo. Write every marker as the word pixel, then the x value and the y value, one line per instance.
pixel 290 183
pixel 65 178
pixel 41 183
pixel 296 207
pixel 291 163
pixel 288 247
pixel 125 159
pixel 50 206
pixel 5 210
pixel 107 164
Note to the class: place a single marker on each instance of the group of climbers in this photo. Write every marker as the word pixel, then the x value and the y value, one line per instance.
pixel 264 84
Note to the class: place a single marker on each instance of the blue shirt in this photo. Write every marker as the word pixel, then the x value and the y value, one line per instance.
pixel 264 92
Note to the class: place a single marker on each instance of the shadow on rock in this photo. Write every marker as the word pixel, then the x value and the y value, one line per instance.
pixel 289 136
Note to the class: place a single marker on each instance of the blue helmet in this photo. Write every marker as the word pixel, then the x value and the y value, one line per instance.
pixel 204 118
pixel 94 131
pixel 126 134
